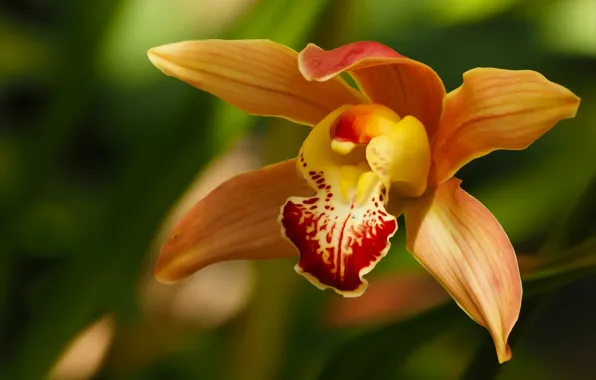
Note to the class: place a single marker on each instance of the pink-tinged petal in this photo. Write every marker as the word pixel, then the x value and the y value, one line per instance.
pixel 237 220
pixel 383 75
pixel 463 246
pixel 497 109
pixel 343 230
pixel 258 76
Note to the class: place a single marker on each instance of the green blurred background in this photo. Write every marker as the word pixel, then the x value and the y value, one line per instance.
pixel 100 153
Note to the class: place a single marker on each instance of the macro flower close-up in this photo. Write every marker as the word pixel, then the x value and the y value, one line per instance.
pixel 297 190
pixel 391 147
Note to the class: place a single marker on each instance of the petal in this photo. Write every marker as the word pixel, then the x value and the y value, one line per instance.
pixel 258 76
pixel 401 158
pixel 497 109
pixel 463 246
pixel 344 230
pixel 384 76
pixel 237 220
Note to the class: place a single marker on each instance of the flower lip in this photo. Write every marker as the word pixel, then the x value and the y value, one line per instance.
pixel 343 230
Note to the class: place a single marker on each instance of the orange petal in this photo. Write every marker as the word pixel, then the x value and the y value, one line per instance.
pixel 386 77
pixel 497 109
pixel 237 220
pixel 258 76
pixel 463 246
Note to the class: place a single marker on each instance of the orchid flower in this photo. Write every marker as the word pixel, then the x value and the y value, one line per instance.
pixel 391 148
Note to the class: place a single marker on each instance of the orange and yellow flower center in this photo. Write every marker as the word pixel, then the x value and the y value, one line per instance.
pixel 360 123
pixel 351 159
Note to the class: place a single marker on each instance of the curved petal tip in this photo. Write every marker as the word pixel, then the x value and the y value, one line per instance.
pixel 174 265
pixel 497 109
pixel 463 246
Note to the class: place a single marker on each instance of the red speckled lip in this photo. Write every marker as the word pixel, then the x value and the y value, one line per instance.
pixel 338 242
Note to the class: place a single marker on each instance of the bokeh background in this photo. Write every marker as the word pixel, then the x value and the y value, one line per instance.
pixel 100 153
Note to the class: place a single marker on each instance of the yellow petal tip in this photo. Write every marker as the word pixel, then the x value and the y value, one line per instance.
pixel 159 277
pixel 504 355
pixel 177 260
pixel 165 270
pixel 157 56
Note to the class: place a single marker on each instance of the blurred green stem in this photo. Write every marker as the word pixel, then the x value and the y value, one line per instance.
pixel 269 314
pixel 575 227
pixel 580 261
pixel 5 280
pixel 259 342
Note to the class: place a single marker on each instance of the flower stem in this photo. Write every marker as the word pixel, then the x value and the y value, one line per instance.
pixel 578 224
